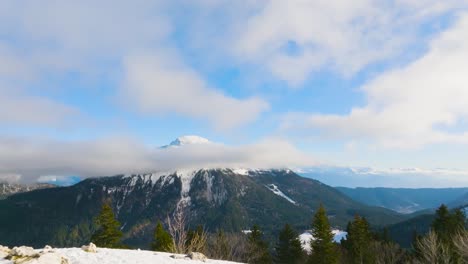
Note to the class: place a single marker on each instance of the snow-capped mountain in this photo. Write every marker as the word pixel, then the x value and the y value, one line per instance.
pixel 230 199
pixel 187 140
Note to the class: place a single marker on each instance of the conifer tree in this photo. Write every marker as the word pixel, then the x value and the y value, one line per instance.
pixel 358 241
pixel 289 249
pixel 324 250
pixel 257 247
pixel 441 223
pixel 446 226
pixel 108 234
pixel 162 240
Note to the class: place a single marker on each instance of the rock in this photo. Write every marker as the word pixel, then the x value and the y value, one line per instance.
pixel 23 251
pixel 197 256
pixel 46 258
pixel 91 248
pixel 178 256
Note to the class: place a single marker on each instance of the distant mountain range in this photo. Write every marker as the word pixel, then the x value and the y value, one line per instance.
pixel 405 200
pixel 231 199
pixel 390 178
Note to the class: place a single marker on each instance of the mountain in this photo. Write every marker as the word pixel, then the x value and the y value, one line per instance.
pixel 405 200
pixel 7 189
pixel 187 140
pixel 461 201
pixel 231 199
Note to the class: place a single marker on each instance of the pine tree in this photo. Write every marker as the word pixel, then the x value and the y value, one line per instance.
pixel 324 250
pixel 108 234
pixel 289 249
pixel 257 248
pixel 441 223
pixel 446 226
pixel 162 240
pixel 358 241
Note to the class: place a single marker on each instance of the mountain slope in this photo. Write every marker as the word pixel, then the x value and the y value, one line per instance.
pixel 217 198
pixel 404 200
pixel 7 189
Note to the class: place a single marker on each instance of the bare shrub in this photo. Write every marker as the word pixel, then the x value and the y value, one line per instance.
pixel 387 253
pixel 177 228
pixel 460 243
pixel 228 246
pixel 432 251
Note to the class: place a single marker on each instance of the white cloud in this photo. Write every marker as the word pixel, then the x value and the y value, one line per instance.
pixel 163 84
pixel 18 108
pixel 419 104
pixel 98 39
pixel 342 35
pixel 35 157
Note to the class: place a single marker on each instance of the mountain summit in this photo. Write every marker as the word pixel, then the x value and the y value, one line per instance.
pixel 187 140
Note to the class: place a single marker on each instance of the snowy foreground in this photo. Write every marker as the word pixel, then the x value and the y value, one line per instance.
pixel 108 256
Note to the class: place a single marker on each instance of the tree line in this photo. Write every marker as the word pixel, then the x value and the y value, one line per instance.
pixel 447 242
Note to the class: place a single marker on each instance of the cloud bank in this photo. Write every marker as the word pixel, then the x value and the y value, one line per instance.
pixel 34 159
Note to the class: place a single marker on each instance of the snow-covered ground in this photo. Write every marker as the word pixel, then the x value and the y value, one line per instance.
pixel 307 236
pixel 122 256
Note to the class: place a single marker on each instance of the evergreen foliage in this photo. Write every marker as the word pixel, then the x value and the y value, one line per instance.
pixel 257 248
pixel 358 241
pixel 289 249
pixel 162 240
pixel 447 224
pixel 324 250
pixel 108 234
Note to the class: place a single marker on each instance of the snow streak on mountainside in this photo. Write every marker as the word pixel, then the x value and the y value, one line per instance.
pixel 278 192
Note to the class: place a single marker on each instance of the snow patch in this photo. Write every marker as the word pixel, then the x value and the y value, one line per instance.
pixel 307 236
pixel 278 192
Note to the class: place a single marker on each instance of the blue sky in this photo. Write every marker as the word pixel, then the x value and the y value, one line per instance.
pixel 369 83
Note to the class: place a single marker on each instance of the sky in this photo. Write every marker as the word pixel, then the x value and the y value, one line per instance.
pixel 91 88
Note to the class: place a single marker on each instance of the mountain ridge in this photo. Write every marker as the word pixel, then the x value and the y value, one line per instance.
pixel 215 198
